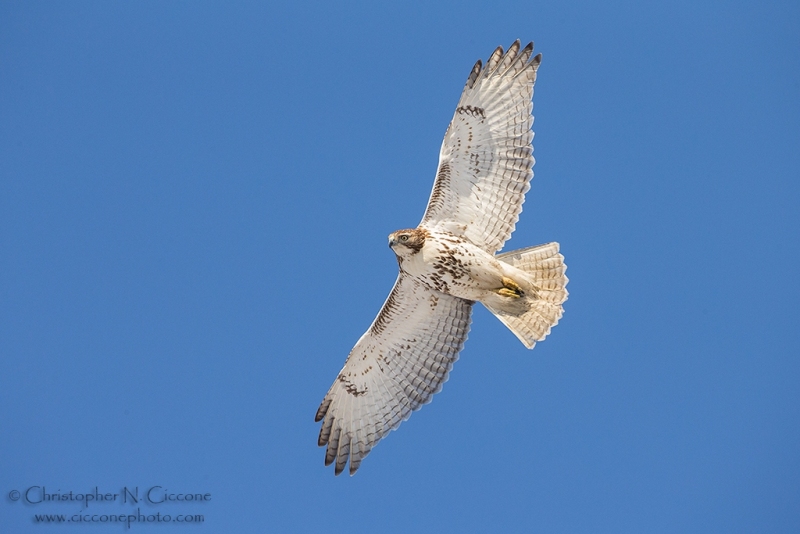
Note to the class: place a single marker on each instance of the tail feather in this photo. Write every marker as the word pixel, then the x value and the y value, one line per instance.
pixel 545 268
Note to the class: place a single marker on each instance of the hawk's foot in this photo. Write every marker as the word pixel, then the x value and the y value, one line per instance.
pixel 508 283
pixel 510 289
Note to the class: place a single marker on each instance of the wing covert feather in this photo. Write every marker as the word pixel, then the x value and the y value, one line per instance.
pixel 395 368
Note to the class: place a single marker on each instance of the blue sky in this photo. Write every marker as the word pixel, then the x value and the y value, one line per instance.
pixel 194 204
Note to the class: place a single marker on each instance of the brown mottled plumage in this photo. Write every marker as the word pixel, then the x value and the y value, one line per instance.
pixel 412 239
pixel 448 263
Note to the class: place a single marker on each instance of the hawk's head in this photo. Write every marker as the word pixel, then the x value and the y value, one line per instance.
pixel 406 243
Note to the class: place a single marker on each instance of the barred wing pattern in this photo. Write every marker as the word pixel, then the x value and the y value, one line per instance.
pixel 486 158
pixel 395 368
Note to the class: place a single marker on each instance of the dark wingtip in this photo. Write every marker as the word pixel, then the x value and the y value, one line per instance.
pixel 476 71
pixel 322 410
pixel 528 47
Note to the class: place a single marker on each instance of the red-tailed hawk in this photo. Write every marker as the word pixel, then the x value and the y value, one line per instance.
pixel 448 263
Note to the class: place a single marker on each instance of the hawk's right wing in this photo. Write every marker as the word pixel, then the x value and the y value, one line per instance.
pixel 395 368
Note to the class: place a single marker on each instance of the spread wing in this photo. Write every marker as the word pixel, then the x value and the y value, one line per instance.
pixel 486 158
pixel 395 368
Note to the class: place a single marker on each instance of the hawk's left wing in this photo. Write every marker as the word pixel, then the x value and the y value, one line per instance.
pixel 395 368
pixel 486 157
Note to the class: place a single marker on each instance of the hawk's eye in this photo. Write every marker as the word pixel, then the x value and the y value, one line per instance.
pixel 404 238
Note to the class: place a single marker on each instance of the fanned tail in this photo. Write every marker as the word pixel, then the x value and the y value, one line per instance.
pixel 546 270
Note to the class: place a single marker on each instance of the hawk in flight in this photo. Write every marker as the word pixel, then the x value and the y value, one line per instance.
pixel 449 262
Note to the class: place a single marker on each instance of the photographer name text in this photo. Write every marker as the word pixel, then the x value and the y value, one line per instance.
pixel 150 495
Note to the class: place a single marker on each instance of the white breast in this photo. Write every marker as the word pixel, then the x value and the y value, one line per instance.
pixel 454 266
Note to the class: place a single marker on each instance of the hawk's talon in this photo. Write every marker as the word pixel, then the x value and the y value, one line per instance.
pixel 505 292
pixel 510 286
